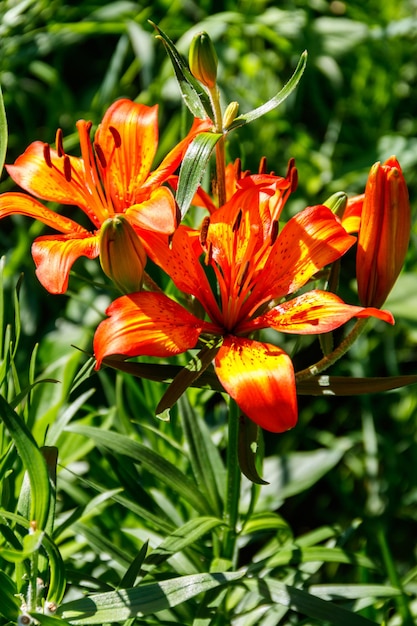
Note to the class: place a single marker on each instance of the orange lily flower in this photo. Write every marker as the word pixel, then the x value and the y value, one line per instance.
pixel 113 176
pixel 256 269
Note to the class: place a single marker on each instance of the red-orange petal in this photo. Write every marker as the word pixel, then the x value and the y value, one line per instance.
pixel 54 181
pixel 351 219
pixel 54 256
pixel 182 262
pixel 21 204
pixel 260 378
pixel 158 214
pixel 145 324
pixel 128 138
pixel 309 241
pixel 313 313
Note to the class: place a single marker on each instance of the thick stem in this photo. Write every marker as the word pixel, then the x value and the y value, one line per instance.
pixel 334 356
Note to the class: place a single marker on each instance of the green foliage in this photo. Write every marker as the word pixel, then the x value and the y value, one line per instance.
pixel 138 513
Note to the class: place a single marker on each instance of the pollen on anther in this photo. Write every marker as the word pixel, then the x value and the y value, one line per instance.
pixel 116 136
pixel 47 155
pixel 100 155
pixel 67 168
pixel 59 143
pixel 204 230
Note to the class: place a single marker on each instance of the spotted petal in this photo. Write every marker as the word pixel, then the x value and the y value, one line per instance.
pixel 54 256
pixel 308 242
pixel 260 378
pixel 146 323
pixel 312 313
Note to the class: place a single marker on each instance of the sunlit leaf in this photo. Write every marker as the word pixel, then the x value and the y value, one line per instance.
pixel 3 133
pixel 193 167
pixel 143 600
pixel 274 102
pixel 32 460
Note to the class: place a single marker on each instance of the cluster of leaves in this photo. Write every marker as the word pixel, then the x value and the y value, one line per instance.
pixel 138 515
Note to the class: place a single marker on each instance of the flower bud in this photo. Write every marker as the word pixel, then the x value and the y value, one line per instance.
pixel 230 114
pixel 384 232
pixel 122 255
pixel 203 60
pixel 337 203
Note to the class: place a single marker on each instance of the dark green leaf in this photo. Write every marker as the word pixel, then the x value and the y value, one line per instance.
pixel 194 95
pixel 153 462
pixel 324 385
pixel 248 442
pixel 3 133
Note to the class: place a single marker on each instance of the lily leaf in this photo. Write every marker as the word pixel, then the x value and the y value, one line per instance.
pixel 324 385
pixel 187 375
pixel 248 443
pixel 274 102
pixel 195 97
pixel 146 599
pixel 193 167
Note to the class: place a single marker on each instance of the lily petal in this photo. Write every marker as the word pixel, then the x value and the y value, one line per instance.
pixel 157 214
pixel 181 261
pixel 309 241
pixel 312 313
pixel 128 138
pixel 146 324
pixel 54 256
pixel 351 219
pixel 20 204
pixel 58 179
pixel 260 378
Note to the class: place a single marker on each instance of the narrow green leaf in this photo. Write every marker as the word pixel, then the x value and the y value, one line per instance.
pixel 193 167
pixel 3 132
pixel 353 592
pixel 324 385
pixel 150 460
pixel 134 568
pixel 305 603
pixel 277 99
pixel 194 95
pixel 249 434
pixel 9 603
pixel 116 606
pixel 266 521
pixel 48 620
pixel 298 554
pixel 207 464
pixel 188 374
pixel 33 461
pixel 182 538
pixel 57 577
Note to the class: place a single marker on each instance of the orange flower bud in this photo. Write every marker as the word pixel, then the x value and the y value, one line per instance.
pixel 203 60
pixel 122 255
pixel 384 232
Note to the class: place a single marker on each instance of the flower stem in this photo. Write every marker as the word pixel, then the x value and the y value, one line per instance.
pixel 335 355
pixel 220 147
pixel 233 477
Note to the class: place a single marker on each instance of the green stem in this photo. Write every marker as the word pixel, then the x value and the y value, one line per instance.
pixel 220 147
pixel 233 477
pixel 334 356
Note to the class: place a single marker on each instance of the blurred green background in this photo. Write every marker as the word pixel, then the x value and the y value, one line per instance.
pixel 356 104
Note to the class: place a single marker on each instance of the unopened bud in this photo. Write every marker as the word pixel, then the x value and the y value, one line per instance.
pixel 122 255
pixel 337 203
pixel 384 232
pixel 203 60
pixel 230 114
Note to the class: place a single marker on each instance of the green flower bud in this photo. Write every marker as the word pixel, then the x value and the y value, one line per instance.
pixel 203 60
pixel 122 255
pixel 337 203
